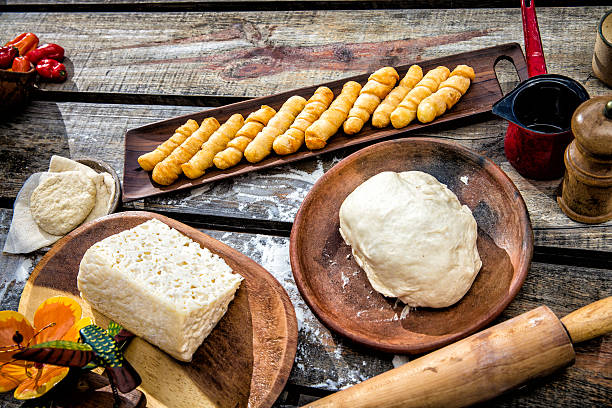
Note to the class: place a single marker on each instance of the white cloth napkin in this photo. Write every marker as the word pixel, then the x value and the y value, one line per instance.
pixel 24 234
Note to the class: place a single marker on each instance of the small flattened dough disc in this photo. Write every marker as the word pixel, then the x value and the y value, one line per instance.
pixel 62 201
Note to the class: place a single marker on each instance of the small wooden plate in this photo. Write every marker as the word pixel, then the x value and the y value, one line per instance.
pixel 337 289
pixel 245 360
pixel 100 167
pixel 484 91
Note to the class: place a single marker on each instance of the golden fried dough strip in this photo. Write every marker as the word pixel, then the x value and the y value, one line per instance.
pixel 407 109
pixel 203 159
pixel 381 117
pixel 169 169
pixel 330 121
pixel 292 139
pixel 379 84
pixel 447 95
pixel 261 146
pixel 252 126
pixel 148 160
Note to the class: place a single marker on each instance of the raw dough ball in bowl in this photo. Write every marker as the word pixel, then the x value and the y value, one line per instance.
pixel 62 201
pixel 412 237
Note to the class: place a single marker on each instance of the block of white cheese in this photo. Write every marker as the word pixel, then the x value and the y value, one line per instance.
pixel 159 284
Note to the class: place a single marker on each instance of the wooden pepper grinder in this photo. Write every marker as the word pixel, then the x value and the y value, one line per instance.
pixel 587 185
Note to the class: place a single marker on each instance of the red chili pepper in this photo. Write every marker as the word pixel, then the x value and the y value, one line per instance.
pixel 21 64
pixel 52 51
pixel 25 43
pixel 16 39
pixel 51 69
pixel 7 55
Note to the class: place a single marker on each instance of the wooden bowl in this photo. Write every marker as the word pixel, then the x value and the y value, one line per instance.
pixel 337 289
pixel 100 166
pixel 15 90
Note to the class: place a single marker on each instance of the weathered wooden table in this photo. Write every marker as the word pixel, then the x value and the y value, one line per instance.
pixel 135 62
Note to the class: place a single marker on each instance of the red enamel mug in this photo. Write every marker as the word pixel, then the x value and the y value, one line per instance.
pixel 539 111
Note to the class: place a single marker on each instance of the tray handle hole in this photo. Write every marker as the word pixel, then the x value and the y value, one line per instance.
pixel 506 74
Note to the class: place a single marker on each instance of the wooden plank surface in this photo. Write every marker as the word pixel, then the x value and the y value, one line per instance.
pixel 257 54
pixel 326 361
pixel 302 4
pixel 274 195
pixel 160 57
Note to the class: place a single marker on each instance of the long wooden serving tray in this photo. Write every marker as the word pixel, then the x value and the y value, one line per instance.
pixel 245 361
pixel 485 91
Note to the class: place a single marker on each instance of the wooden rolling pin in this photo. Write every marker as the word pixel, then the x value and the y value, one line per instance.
pixel 483 365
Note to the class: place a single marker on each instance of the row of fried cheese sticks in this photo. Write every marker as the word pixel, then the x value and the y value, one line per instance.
pixel 193 149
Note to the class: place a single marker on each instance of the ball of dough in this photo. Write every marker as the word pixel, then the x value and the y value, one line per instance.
pixel 62 201
pixel 412 237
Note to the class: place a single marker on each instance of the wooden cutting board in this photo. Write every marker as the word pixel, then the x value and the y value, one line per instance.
pixel 483 93
pixel 245 361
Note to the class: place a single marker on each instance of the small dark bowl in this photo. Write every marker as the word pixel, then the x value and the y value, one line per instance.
pixel 100 167
pixel 15 90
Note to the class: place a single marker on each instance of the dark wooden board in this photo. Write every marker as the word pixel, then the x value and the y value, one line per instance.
pixel 484 91
pixel 338 291
pixel 237 355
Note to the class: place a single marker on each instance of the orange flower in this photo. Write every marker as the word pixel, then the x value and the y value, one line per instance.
pixel 57 318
